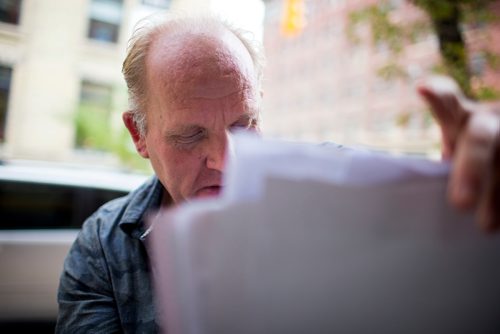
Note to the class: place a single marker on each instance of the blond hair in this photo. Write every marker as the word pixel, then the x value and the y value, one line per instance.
pixel 143 37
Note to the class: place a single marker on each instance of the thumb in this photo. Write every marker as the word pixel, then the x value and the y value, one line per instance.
pixel 448 106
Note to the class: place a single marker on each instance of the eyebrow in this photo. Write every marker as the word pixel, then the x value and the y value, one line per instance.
pixel 251 112
pixel 248 116
pixel 172 133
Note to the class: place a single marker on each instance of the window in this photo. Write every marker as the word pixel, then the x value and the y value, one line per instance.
pixel 105 19
pixel 157 3
pixel 5 78
pixel 93 116
pixel 99 95
pixel 478 64
pixel 30 205
pixel 9 11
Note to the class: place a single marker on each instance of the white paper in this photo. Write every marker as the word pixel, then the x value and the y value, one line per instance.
pixel 253 159
pixel 302 247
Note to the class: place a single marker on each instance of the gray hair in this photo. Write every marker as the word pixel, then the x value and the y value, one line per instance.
pixel 145 34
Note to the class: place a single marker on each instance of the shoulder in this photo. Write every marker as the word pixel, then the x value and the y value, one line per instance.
pixel 108 215
pixel 104 230
pixel 100 242
pixel 105 268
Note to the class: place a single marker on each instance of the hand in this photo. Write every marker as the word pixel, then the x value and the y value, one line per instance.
pixel 471 138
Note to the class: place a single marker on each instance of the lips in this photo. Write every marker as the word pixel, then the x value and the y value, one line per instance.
pixel 209 191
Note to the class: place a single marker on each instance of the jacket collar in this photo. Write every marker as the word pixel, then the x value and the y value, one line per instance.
pixel 145 199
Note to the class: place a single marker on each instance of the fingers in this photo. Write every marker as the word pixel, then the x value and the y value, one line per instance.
pixel 449 108
pixel 474 181
pixel 491 211
pixel 471 136
pixel 443 96
pixel 489 207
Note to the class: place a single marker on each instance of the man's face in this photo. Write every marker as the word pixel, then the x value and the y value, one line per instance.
pixel 199 90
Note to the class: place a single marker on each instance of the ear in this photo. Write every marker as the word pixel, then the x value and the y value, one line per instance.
pixel 139 141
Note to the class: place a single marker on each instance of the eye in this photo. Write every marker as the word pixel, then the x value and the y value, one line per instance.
pixel 247 124
pixel 190 138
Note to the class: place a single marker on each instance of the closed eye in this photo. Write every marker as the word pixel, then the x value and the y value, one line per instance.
pixel 189 138
pixel 244 124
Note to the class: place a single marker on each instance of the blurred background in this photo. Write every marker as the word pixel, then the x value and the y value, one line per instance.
pixel 337 70
pixel 346 70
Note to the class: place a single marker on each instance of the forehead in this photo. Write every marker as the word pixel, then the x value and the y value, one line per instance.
pixel 196 64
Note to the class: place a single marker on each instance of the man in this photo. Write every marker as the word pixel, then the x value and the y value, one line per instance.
pixel 192 81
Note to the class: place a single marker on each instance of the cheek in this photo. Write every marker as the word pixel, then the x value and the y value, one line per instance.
pixel 180 166
pixel 177 168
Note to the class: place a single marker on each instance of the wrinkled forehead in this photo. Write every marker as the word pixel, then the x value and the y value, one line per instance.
pixel 198 64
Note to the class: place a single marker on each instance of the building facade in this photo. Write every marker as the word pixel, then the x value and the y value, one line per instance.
pixel 321 85
pixel 56 58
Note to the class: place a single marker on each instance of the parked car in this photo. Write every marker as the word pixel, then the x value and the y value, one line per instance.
pixel 42 206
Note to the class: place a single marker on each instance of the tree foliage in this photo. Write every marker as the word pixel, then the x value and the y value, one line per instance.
pixel 446 19
pixel 94 132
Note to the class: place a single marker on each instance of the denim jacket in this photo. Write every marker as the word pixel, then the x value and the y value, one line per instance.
pixel 105 285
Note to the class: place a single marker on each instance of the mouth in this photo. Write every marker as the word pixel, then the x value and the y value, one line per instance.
pixel 209 191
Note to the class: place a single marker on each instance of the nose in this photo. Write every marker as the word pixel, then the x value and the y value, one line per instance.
pixel 216 155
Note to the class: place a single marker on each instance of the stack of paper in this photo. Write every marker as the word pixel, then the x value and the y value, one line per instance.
pixel 312 239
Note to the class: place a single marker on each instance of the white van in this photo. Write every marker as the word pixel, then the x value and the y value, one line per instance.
pixel 42 206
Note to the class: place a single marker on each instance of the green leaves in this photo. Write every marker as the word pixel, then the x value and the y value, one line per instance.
pixel 94 131
pixel 446 19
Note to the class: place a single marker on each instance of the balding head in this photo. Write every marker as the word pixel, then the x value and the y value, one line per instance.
pixel 199 63
pixel 193 82
pixel 186 51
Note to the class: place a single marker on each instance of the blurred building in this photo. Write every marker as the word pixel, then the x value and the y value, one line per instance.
pixel 58 57
pixel 320 85
pixel 61 88
pixel 62 91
